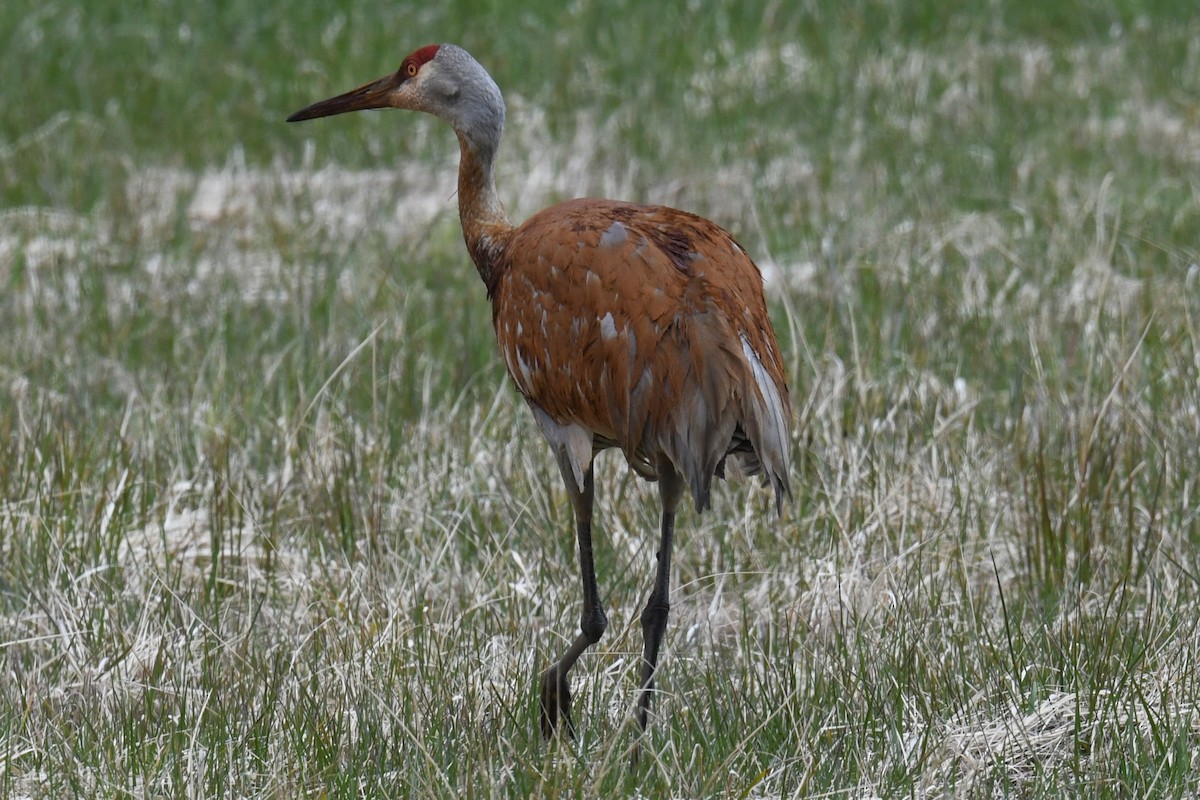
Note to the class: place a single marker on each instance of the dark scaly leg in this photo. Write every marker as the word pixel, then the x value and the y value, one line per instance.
pixel 556 693
pixel 654 616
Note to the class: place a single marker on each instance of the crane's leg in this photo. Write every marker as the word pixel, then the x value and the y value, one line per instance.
pixel 654 616
pixel 556 693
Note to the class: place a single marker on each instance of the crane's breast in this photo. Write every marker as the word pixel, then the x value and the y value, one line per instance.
pixel 573 314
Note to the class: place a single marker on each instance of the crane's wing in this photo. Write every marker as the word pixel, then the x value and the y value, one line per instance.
pixel 644 327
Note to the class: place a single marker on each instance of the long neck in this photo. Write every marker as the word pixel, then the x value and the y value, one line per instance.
pixel 486 229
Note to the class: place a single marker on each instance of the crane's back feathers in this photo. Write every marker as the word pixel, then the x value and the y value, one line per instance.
pixel 644 328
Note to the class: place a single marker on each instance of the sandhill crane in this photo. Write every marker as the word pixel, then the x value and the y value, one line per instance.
pixel 630 326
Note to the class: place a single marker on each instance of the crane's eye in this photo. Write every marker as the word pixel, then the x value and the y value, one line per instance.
pixel 410 69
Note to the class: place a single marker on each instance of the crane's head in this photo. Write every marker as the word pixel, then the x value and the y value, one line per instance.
pixel 443 80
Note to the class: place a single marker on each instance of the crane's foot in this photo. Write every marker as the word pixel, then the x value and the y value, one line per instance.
pixel 635 756
pixel 556 701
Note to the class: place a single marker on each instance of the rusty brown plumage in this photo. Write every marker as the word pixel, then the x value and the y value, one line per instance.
pixel 640 324
pixel 630 326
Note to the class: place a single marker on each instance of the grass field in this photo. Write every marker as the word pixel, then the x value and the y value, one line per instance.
pixel 274 523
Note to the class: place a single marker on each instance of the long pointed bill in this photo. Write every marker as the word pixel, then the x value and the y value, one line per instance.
pixel 372 95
